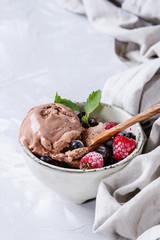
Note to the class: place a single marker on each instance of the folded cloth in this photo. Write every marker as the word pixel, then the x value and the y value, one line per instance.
pixel 128 202
pixel 135 90
pixel 134 24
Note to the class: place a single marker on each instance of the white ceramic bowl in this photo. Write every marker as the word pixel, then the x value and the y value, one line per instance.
pixel 75 184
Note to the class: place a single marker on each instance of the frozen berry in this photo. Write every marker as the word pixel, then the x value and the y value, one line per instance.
pixel 91 160
pixel 46 159
pixel 109 125
pixel 109 143
pixel 92 122
pixel 122 147
pixel 102 150
pixel 76 144
pixel 109 160
pixel 130 135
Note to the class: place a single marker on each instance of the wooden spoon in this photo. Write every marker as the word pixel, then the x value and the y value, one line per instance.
pixel 103 137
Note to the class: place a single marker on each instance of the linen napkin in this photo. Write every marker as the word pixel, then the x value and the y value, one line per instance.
pixel 135 25
pixel 128 202
pixel 136 90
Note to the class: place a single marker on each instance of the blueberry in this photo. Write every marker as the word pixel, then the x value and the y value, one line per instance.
pixel 85 125
pixel 130 135
pixel 76 144
pixel 92 122
pixel 109 160
pixel 46 159
pixel 102 150
pixel 37 156
pixel 80 114
pixel 109 143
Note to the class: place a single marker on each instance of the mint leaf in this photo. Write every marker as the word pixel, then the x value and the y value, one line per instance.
pixel 66 102
pixel 70 104
pixel 57 99
pixel 92 102
pixel 85 119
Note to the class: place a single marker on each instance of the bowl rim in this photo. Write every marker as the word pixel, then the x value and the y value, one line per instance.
pixel 140 143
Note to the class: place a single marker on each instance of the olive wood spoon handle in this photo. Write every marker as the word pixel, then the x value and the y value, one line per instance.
pixel 103 137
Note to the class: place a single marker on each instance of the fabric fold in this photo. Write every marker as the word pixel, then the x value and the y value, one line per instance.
pixel 127 200
pixel 131 23
pixel 130 88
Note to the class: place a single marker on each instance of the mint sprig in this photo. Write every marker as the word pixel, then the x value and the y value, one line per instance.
pixel 91 104
pixel 66 102
pixel 93 101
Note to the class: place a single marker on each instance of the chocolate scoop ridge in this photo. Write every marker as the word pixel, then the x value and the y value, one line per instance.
pixel 50 128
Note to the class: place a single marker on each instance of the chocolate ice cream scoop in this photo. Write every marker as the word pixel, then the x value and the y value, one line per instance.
pixel 49 129
pixel 87 135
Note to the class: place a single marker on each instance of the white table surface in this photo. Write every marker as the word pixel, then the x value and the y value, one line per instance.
pixel 44 49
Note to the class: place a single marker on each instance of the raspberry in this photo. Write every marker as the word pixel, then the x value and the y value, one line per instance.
pixel 122 147
pixel 91 160
pixel 109 125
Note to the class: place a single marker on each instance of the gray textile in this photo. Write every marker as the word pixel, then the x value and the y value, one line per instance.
pixel 135 25
pixel 128 202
